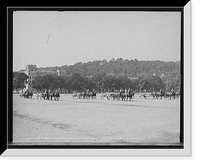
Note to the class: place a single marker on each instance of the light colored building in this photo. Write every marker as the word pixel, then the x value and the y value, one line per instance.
pixel 61 72
pixel 31 71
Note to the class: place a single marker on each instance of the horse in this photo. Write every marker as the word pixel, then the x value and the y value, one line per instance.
pixel 144 95
pixel 177 94
pixel 57 96
pixel 79 95
pixel 48 95
pixel 170 95
pixel 160 94
pixel 75 95
pixel 21 94
pixel 153 94
pixel 27 94
pixel 105 95
pixel 41 96
pixel 167 95
pixel 85 95
pixel 82 95
pixel 45 95
pixel 173 95
pixel 114 96
pixel 51 95
pixel 93 94
pixel 122 95
pixel 130 95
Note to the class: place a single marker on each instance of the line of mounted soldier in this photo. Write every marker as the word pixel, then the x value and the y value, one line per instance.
pixel 27 94
pixel 123 94
pixel 86 94
pixel 49 95
pixel 126 94
pixel 130 94
pixel 162 94
pixel 45 95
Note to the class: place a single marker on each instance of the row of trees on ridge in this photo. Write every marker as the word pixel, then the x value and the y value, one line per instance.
pixel 109 76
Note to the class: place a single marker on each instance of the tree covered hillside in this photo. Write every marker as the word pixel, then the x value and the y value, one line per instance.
pixel 120 73
pixel 120 67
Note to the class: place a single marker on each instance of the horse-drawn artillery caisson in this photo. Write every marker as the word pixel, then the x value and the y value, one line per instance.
pixel 122 95
pixel 166 95
pixel 26 94
pixel 48 95
pixel 85 95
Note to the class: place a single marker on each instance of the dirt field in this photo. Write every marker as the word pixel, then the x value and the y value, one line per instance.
pixel 82 121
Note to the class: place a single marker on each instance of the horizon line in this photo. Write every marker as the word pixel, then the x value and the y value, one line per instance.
pixel 94 61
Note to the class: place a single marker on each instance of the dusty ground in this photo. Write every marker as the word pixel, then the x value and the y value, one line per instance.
pixel 79 121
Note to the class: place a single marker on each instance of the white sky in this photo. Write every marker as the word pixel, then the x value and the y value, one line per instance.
pixel 50 38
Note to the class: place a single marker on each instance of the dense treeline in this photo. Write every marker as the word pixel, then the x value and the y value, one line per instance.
pixel 19 80
pixel 117 69
pixel 121 67
pixel 113 75
pixel 100 82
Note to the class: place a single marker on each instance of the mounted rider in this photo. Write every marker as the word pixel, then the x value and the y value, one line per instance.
pixel 120 91
pixel 161 91
pixel 172 90
pixel 126 91
pixel 93 94
pixel 47 94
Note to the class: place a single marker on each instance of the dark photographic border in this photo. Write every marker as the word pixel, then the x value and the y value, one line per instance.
pixel 9 115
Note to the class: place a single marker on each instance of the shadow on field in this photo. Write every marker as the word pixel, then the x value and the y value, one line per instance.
pixel 125 104
pixel 58 125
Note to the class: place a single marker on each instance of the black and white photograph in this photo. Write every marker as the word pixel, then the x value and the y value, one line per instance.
pixel 98 78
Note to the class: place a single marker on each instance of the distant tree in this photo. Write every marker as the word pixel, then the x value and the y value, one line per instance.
pixel 177 82
pixel 134 84
pixel 89 84
pixel 98 79
pixel 116 83
pixel 76 82
pixel 172 80
pixel 108 83
pixel 48 82
pixel 156 83
pixel 57 82
pixel 38 83
pixel 19 80
pixel 151 82
pixel 43 82
pixel 125 82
